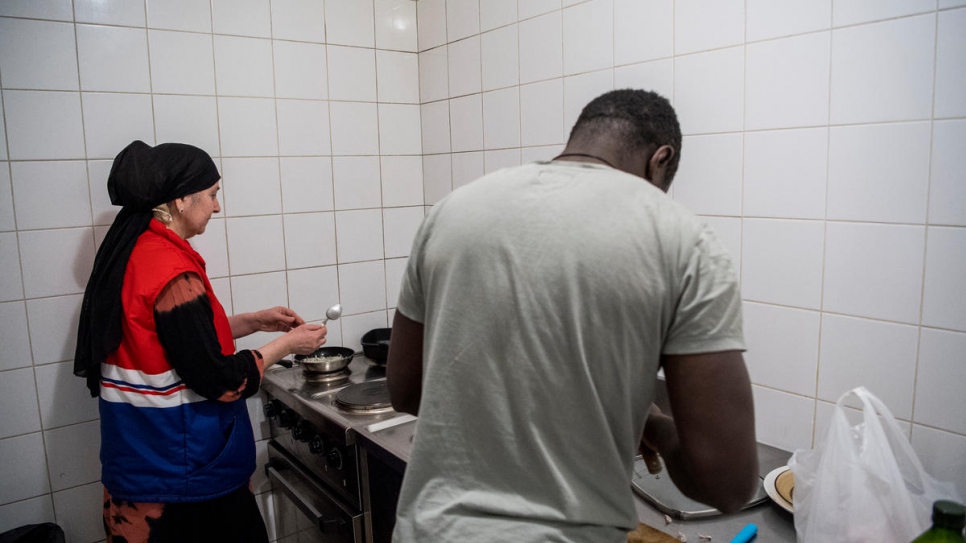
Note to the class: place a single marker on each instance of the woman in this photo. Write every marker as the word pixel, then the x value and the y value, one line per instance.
pixel 177 449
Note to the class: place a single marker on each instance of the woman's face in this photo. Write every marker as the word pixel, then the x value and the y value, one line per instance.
pixel 198 209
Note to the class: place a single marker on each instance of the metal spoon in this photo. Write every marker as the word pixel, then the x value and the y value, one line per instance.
pixel 333 313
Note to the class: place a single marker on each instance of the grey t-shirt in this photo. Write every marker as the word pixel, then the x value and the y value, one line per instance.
pixel 548 293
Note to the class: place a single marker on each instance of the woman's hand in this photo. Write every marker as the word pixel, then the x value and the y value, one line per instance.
pixel 277 319
pixel 306 338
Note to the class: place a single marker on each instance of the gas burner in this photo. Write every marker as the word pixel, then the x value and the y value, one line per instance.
pixel 365 398
pixel 328 377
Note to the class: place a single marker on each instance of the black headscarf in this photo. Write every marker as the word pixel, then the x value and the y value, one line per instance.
pixel 141 178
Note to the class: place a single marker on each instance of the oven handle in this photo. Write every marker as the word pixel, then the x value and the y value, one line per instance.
pixel 330 526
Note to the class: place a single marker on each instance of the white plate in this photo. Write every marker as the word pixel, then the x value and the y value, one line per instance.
pixel 772 491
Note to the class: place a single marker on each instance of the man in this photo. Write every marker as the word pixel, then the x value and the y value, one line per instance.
pixel 536 308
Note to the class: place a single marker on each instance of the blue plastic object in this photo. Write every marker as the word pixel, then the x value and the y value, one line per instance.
pixel 746 534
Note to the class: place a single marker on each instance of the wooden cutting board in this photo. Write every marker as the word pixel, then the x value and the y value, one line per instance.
pixel 648 534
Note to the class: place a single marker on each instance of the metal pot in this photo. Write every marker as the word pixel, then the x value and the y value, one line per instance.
pixel 325 359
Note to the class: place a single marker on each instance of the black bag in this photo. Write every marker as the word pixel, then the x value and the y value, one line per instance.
pixel 47 532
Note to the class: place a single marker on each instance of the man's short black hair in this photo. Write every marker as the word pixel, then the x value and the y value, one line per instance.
pixel 641 119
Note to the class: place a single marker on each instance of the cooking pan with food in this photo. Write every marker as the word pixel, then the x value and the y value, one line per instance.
pixel 325 359
pixel 375 344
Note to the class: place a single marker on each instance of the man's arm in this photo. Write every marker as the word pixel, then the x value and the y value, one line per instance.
pixel 709 446
pixel 404 367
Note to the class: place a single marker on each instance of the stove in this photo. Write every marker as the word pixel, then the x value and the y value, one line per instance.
pixel 314 461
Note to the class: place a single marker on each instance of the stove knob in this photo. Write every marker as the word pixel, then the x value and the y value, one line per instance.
pixel 316 445
pixel 286 418
pixel 334 459
pixel 303 431
pixel 272 408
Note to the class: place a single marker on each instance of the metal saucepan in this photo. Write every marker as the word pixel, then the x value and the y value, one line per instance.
pixel 325 359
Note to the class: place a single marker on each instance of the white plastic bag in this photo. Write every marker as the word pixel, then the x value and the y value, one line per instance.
pixel 865 483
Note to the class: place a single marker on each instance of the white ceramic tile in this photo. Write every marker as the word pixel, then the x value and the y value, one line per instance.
pixel 187 119
pixel 117 12
pixel 785 173
pixel 437 177
pixel 431 22
pixel 466 121
pixel 709 91
pixel 43 125
pixel 111 121
pixel 786 82
pixel 501 118
pixel 433 75
pixel 950 64
pixel 500 53
pixel 530 8
pixel 397 76
pixel 243 66
pixel 3 144
pixel 579 90
pixel 37 55
pixel 256 292
pixel 943 4
pixel 943 455
pixel 354 128
pixel 499 159
pixel 395 25
pixel 541 113
pixel 23 467
pixel 51 194
pixel 303 127
pixel 213 247
pixel 940 401
pixel 462 19
pixel 766 19
pixel 944 295
pixel 251 186
pixel 497 13
pixel 588 37
pixel 544 152
pixel 113 59
pixel 879 172
pixel 541 48
pixel 656 76
pixel 394 273
pixel 880 356
pixel 863 11
pixel 399 229
pixel 781 262
pixel 359 236
pixel 699 26
pixel 311 290
pixel 350 22
pixel 80 513
pixel 190 15
pixel 643 30
pixel 947 191
pixel 11 282
pixel 31 511
pixel 399 132
pixel 467 167
pixel 13 336
pixel 435 127
pixel 102 210
pixel 43 253
pixel 782 347
pixel 301 20
pixel 39 9
pixel 247 126
pixel 709 176
pixel 309 240
pixel 868 61
pixel 64 399
pixel 783 420
pixel 464 67
pixel 356 181
pixel 242 17
pixel 250 236
pixel 72 455
pixel 874 270
pixel 362 286
pixel 306 184
pixel 300 70
pixel 7 222
pixel 402 181
pixel 18 399
pixel 352 74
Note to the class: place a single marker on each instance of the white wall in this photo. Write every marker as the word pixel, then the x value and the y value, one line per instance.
pixel 824 142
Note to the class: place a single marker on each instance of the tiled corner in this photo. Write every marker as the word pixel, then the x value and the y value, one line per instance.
pixel 431 22
pixel 433 75
pixel 396 25
pixel 397 77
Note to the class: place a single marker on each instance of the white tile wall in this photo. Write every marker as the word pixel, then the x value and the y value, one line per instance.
pixel 823 144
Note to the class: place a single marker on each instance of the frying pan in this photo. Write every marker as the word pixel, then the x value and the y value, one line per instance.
pixel 375 344
pixel 325 359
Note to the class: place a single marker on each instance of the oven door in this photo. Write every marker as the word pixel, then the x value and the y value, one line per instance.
pixel 305 511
